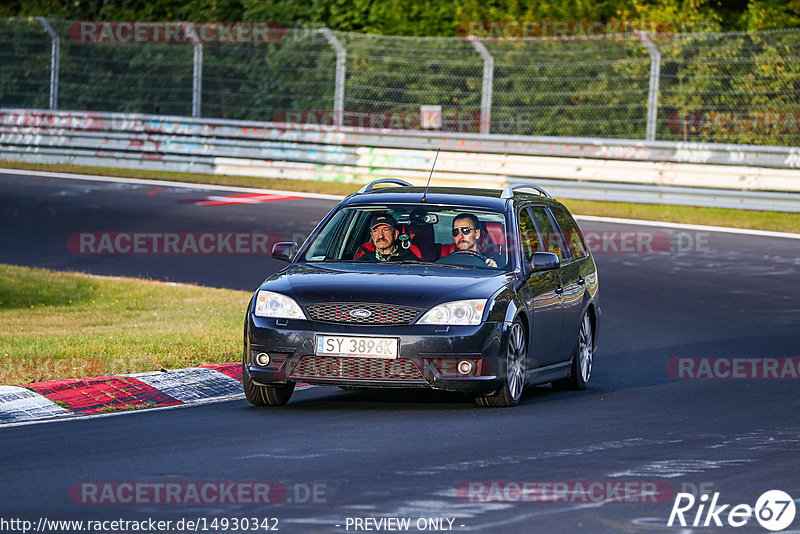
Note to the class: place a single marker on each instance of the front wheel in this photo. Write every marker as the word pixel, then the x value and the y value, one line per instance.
pixel 516 363
pixel 259 395
pixel 581 368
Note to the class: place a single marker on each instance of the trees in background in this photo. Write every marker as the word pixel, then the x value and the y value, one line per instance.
pixel 733 87
pixel 423 17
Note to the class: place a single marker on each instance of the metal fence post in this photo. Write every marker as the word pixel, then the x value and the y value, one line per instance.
pixel 55 49
pixel 341 55
pixel 197 69
pixel 197 80
pixel 488 82
pixel 655 70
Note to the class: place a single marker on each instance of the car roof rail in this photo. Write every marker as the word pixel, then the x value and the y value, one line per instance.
pixel 397 181
pixel 510 190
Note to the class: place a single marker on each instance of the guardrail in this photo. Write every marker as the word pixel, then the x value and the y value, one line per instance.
pixel 749 177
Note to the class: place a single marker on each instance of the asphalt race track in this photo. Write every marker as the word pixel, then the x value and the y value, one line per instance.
pixel 431 456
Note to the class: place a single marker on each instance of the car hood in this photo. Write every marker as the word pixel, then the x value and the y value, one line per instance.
pixel 419 286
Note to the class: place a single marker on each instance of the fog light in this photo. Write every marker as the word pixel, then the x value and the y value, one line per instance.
pixel 262 359
pixel 464 367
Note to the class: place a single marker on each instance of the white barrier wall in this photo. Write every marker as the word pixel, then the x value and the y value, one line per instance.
pixel 308 152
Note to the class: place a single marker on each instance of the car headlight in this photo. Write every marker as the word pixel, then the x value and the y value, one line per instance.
pixel 270 304
pixel 458 312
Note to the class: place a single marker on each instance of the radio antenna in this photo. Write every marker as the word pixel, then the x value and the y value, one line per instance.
pixel 425 194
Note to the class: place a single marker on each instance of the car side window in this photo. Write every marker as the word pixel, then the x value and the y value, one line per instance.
pixel 329 244
pixel 571 233
pixel 549 236
pixel 528 235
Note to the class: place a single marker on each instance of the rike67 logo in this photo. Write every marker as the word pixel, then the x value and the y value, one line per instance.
pixel 774 510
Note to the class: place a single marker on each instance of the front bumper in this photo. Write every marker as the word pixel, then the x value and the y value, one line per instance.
pixel 429 355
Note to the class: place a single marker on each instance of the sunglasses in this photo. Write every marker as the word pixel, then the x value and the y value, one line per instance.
pixel 466 230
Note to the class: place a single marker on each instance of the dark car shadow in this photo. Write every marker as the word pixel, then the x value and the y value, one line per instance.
pixel 612 372
pixel 641 369
pixel 331 398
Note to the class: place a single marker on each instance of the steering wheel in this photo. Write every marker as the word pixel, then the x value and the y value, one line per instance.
pixel 464 258
pixel 472 252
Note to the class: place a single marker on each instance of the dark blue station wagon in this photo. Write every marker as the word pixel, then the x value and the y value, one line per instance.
pixel 470 290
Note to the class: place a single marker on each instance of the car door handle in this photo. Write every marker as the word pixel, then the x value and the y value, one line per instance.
pixel 559 290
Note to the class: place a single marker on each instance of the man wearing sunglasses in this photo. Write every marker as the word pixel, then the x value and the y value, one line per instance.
pixel 467 235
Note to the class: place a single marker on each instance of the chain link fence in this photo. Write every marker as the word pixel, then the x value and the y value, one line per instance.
pixel 704 87
pixel 569 88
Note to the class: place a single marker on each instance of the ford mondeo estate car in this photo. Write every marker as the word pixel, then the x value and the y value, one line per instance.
pixel 470 290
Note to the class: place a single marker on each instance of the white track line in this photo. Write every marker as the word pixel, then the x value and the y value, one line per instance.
pixel 167 183
pixel 763 233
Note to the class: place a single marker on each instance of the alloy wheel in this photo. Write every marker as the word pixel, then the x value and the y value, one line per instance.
pixel 515 361
pixel 585 349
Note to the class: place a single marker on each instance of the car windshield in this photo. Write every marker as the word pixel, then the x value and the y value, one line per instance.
pixel 413 234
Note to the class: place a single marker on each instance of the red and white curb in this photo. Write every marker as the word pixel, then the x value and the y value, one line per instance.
pixel 87 396
pixel 19 404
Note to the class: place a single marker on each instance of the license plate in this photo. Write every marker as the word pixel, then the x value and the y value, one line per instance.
pixel 361 347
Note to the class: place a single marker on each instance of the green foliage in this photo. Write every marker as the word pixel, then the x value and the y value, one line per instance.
pixel 422 18
pixel 740 88
pixel 771 14
pixel 570 89
pixel 262 82
pixel 25 60
pixel 579 88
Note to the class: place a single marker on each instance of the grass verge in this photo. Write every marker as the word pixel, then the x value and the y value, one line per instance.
pixel 757 220
pixel 776 221
pixel 56 325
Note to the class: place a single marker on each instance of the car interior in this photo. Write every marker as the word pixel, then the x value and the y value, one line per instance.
pixel 427 234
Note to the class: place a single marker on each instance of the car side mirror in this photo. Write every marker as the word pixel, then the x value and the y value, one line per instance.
pixel 284 250
pixel 543 261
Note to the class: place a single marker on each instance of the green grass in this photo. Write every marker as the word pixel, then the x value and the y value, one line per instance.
pixel 760 220
pixel 777 221
pixel 68 325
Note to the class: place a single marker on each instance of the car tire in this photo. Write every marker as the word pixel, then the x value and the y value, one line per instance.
pixel 259 395
pixel 582 360
pixel 514 376
pixel 277 395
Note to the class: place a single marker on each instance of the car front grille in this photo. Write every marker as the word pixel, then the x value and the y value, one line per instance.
pixel 310 367
pixel 378 313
